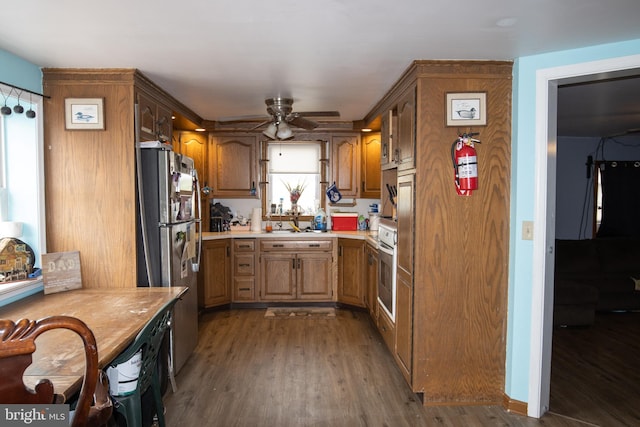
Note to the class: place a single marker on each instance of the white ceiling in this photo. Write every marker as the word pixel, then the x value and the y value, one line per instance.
pixel 222 58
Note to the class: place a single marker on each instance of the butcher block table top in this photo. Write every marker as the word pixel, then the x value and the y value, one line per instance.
pixel 114 315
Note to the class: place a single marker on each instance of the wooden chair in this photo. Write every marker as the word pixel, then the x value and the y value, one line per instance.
pixel 17 345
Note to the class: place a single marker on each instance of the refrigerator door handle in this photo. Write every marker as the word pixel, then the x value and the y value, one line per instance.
pixel 196 265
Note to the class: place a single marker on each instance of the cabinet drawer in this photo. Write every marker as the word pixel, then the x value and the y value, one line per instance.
pixel 298 245
pixel 387 330
pixel 244 264
pixel 244 289
pixel 244 245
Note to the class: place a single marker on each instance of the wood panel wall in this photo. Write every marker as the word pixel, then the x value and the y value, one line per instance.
pixel 461 243
pixel 90 176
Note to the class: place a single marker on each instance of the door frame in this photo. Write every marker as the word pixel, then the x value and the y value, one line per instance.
pixel 547 82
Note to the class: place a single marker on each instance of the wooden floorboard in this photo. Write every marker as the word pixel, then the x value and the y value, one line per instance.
pixel 594 371
pixel 249 370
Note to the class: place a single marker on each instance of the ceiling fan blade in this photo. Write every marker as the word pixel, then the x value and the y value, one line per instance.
pixel 301 122
pixel 318 113
pixel 249 118
pixel 261 124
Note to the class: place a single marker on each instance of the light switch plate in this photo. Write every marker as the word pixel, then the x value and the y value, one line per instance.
pixel 527 230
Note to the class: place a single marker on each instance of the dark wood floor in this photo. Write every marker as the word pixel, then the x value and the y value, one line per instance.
pixel 595 375
pixel 249 370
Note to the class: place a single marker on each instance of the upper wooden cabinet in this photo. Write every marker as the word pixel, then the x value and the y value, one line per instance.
pixel 154 119
pixel 233 166
pixel 404 149
pixel 345 164
pixel 371 179
pixel 195 145
pixel 387 126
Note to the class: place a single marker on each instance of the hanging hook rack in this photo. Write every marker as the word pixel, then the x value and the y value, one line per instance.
pixel 24 90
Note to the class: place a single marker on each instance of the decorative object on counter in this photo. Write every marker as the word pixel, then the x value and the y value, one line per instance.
pixel 61 272
pixel 84 113
pixel 294 195
pixel 333 194
pixel 17 260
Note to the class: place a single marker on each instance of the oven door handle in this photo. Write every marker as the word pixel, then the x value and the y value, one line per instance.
pixel 385 249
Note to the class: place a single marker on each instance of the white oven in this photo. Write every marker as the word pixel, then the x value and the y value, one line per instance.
pixel 387 256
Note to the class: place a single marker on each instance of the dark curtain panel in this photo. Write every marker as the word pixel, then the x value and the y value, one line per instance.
pixel 620 199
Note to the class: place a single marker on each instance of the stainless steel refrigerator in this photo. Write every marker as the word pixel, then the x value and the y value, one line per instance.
pixel 169 237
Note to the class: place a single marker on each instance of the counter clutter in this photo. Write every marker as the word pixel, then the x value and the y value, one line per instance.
pixel 371 236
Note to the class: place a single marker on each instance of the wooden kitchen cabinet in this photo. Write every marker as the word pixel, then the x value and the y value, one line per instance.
pixel 296 270
pixel 244 270
pixel 233 166
pixel 387 127
pixel 371 174
pixel 215 274
pixel 345 164
pixel 351 269
pixel 371 280
pixel 195 145
pixel 155 123
pixel 404 149
pixel 453 263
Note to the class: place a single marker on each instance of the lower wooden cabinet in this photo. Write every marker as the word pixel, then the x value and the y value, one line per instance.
pixel 296 270
pixel 371 280
pixel 244 270
pixel 404 325
pixel 215 274
pixel 351 289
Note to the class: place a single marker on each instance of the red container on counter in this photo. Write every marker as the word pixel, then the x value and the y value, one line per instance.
pixel 344 221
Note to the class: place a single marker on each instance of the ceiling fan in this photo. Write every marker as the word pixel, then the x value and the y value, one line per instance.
pixel 281 116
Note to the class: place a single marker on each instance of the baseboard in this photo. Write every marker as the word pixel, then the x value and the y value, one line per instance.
pixel 514 406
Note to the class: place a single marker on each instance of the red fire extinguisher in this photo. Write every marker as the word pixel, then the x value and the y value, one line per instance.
pixel 465 164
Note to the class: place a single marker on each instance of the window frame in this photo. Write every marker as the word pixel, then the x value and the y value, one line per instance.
pixel 264 172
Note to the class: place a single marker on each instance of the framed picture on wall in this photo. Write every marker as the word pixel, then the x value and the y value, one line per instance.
pixel 466 109
pixel 84 113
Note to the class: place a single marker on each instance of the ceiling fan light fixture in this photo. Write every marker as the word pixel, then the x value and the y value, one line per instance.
pixel 270 131
pixel 284 131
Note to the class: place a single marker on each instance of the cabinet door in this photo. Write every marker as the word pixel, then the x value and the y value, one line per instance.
pixel 404 324
pixel 371 178
pixel 345 160
pixel 406 226
pixel 164 123
pixel 233 166
pixel 216 272
pixel 314 276
pixel 385 140
pixel 278 272
pixel 195 145
pixel 154 119
pixel 147 117
pixel 351 272
pixel 371 281
pixel 405 142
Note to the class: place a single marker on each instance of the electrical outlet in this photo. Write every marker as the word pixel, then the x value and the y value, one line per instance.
pixel 527 230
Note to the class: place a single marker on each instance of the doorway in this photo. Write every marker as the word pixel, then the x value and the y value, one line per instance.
pixel 547 82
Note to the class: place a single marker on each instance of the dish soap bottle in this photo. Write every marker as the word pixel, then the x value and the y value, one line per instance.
pixel 320 220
